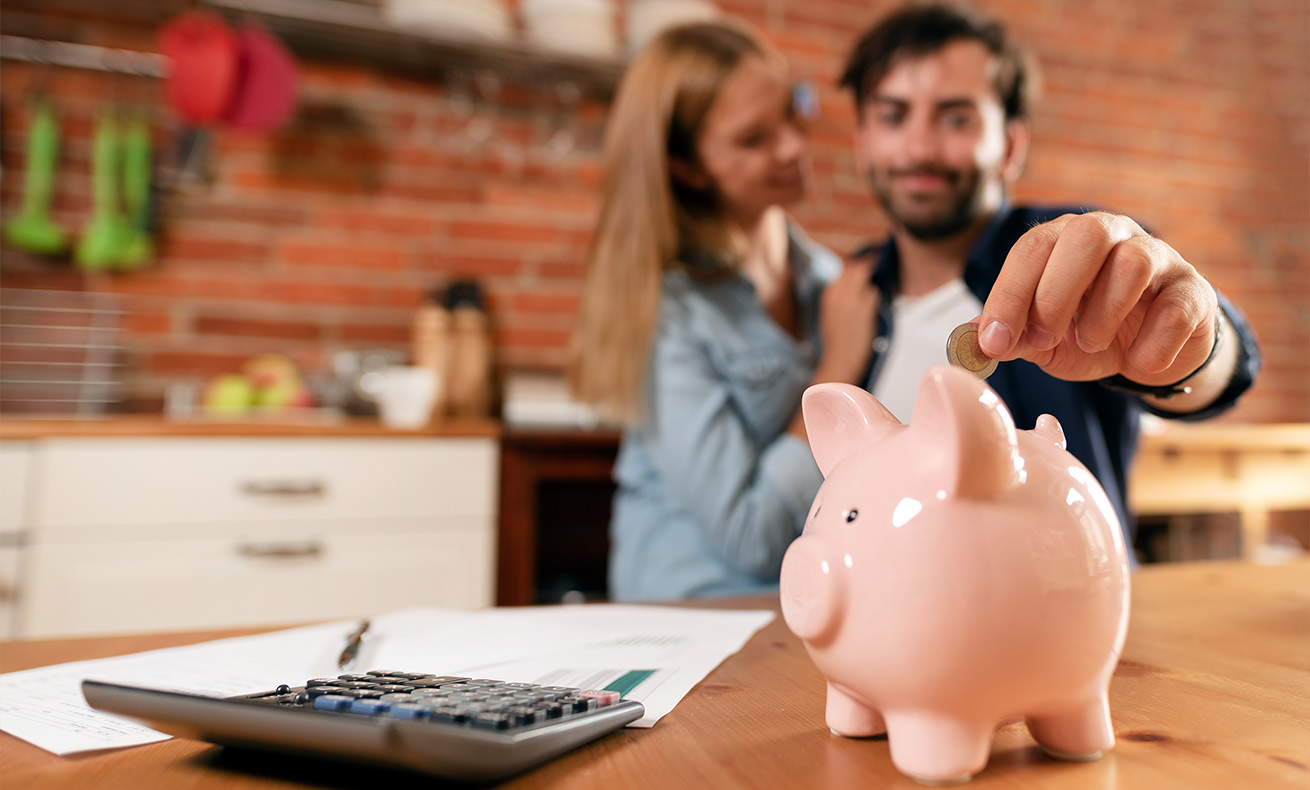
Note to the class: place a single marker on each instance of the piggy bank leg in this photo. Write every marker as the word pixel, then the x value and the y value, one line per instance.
pixel 934 749
pixel 849 717
pixel 1080 732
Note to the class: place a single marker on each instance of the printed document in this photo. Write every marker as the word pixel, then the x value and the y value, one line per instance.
pixel 652 654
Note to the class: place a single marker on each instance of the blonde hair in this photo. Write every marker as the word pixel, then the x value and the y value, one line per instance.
pixel 649 222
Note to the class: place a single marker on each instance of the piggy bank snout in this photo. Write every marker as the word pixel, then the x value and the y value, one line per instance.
pixel 810 591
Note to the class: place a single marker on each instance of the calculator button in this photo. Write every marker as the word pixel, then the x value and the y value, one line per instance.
pixel 387 673
pixel 551 709
pixel 356 684
pixel 603 698
pixel 324 682
pixel 433 682
pixel 448 715
pixel 520 686
pixel 430 703
pixel 522 714
pixel 475 708
pixel 392 688
pixel 491 721
pixel 398 699
pixel 407 711
pixel 354 677
pixel 577 704
pixel 358 693
pixel 386 679
pixel 333 702
pixel 460 701
pixel 368 707
pixel 437 692
pixel 559 689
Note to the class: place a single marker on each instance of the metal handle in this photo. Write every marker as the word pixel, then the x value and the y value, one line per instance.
pixel 285 489
pixel 281 551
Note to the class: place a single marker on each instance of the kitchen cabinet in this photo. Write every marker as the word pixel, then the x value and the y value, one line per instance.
pixel 13 504
pixel 164 533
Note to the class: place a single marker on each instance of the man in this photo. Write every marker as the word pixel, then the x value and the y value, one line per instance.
pixel 1092 318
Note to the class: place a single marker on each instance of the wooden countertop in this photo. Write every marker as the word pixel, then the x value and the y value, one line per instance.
pixel 1211 694
pixel 19 427
pixel 1170 436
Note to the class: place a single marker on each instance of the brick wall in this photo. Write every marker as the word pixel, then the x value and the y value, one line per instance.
pixel 1190 115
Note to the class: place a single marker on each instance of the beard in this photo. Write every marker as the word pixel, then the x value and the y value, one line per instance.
pixel 931 219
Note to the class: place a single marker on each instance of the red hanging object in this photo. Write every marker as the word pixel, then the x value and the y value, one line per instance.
pixel 204 55
pixel 265 95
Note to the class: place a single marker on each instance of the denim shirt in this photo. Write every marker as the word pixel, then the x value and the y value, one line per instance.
pixel 1101 425
pixel 711 488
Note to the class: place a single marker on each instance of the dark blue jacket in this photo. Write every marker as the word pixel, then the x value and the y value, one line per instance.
pixel 1100 424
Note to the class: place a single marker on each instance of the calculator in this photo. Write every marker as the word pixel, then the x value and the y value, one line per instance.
pixel 467 729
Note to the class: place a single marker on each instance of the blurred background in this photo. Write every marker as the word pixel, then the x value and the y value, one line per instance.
pixel 404 166
pixel 390 150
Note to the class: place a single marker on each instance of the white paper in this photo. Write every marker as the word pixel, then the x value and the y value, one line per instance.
pixel 587 646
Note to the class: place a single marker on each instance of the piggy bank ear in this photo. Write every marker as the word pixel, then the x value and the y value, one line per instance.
pixel 1049 429
pixel 841 417
pixel 971 429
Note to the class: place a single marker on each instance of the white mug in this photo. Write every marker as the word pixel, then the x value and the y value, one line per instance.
pixel 405 395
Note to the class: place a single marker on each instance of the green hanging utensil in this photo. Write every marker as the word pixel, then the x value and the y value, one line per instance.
pixel 33 229
pixel 139 247
pixel 104 240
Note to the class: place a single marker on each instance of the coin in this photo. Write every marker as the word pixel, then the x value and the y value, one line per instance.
pixel 963 351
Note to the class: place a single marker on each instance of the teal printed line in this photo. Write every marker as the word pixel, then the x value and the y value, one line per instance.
pixel 629 681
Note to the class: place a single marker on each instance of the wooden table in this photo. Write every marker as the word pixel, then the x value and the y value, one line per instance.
pixel 1213 692
pixel 1185 469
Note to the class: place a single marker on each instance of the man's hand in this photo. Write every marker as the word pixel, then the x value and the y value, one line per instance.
pixel 1093 295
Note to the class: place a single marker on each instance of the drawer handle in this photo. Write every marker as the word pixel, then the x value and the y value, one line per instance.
pixel 281 551
pixel 284 489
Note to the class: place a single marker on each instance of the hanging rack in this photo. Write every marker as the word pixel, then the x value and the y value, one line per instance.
pixel 83 56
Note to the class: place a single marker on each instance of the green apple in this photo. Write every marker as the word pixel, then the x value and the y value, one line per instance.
pixel 283 394
pixel 228 394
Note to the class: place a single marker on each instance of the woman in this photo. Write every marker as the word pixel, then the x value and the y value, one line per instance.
pixel 703 314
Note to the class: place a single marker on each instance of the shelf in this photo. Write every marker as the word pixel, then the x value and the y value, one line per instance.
pixel 340 30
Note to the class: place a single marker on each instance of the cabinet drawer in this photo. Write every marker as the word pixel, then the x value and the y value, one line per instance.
pixel 164 586
pixel 124 482
pixel 10 589
pixel 13 485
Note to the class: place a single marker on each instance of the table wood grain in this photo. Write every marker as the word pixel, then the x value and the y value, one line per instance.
pixel 1213 692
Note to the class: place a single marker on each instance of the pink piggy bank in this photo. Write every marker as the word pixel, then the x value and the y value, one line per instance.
pixel 954 573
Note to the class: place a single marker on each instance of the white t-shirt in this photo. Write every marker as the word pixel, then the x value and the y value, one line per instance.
pixel 920 327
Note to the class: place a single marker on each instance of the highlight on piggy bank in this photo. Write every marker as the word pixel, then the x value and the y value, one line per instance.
pixel 954 573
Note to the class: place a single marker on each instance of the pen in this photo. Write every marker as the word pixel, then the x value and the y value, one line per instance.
pixel 351 651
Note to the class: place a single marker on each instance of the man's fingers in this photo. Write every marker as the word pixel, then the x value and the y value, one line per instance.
pixel 1085 246
pixel 1005 315
pixel 1118 288
pixel 1177 314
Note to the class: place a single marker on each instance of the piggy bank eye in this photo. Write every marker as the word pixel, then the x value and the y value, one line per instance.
pixel 851 515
